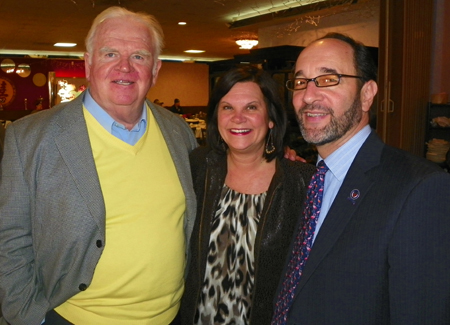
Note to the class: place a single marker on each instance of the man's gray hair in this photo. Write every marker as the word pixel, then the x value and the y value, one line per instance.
pixel 115 12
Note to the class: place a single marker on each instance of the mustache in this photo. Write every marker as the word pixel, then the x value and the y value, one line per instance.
pixel 316 108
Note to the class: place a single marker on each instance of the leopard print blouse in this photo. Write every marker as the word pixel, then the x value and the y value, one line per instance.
pixel 229 276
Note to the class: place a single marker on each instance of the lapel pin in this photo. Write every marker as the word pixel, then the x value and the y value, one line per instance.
pixel 354 195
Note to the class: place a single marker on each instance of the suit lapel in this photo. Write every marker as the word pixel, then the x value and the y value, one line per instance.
pixel 75 149
pixel 355 187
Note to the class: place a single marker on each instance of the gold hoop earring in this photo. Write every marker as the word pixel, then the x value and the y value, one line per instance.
pixel 270 148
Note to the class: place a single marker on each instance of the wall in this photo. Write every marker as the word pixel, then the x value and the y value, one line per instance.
pixel 36 85
pixel 188 82
pixel 440 62
pixel 360 21
pixel 27 92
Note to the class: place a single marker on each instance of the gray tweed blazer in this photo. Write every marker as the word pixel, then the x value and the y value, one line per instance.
pixel 52 213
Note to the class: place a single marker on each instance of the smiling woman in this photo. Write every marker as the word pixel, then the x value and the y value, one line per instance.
pixel 243 120
pixel 248 212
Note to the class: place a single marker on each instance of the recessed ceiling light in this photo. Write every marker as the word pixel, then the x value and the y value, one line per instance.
pixel 181 23
pixel 65 44
pixel 194 51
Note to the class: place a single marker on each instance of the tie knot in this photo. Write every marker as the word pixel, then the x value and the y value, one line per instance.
pixel 322 168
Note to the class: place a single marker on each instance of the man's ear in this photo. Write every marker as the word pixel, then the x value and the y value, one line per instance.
pixel 368 92
pixel 87 65
pixel 155 71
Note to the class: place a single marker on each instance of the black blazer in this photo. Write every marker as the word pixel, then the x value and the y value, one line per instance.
pixel 383 258
pixel 282 208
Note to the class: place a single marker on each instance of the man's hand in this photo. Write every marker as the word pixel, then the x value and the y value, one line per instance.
pixel 292 155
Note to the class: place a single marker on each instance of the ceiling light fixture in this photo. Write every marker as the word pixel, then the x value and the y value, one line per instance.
pixel 194 51
pixel 246 44
pixel 181 23
pixel 65 44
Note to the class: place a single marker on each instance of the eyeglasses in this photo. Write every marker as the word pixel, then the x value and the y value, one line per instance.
pixel 326 80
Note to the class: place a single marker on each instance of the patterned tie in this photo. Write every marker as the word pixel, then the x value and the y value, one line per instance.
pixel 302 245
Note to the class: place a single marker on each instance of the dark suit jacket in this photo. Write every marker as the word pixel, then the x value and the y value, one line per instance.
pixel 383 258
pixel 52 213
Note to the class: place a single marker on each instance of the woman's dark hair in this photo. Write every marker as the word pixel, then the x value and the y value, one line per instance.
pixel 272 96
pixel 363 59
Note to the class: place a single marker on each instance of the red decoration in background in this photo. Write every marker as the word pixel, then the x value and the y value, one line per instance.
pixel 65 68
pixel 7 92
pixel 27 92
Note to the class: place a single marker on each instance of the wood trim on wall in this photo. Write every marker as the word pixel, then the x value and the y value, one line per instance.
pixel 404 72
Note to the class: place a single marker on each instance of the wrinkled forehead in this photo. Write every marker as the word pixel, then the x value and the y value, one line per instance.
pixel 325 56
pixel 125 28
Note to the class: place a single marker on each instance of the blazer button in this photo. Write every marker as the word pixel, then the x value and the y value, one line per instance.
pixel 99 243
pixel 82 287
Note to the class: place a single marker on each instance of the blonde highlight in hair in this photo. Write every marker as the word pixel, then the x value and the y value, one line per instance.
pixel 150 21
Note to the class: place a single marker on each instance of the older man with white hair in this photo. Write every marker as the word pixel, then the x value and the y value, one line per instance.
pixel 96 203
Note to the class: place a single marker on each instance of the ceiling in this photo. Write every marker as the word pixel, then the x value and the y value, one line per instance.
pixel 32 26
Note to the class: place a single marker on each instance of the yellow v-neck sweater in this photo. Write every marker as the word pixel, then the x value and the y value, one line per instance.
pixel 139 277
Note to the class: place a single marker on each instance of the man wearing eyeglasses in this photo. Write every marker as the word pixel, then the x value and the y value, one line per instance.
pixel 380 250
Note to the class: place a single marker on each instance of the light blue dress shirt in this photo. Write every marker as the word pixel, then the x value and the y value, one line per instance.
pixel 116 129
pixel 339 163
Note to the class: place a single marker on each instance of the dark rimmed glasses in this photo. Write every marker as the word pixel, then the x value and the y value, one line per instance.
pixel 326 80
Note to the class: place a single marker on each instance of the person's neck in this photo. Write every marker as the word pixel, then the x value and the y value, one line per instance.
pixel 245 161
pixel 126 115
pixel 249 173
pixel 327 149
